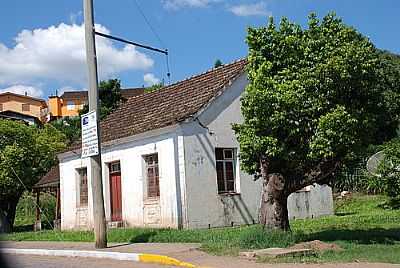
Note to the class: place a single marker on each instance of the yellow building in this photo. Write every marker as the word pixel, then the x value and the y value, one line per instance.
pixel 22 107
pixel 70 102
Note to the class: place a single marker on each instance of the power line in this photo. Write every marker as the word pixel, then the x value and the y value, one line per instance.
pixel 149 24
pixel 158 38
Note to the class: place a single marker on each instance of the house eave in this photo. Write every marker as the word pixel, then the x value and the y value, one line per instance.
pixel 105 145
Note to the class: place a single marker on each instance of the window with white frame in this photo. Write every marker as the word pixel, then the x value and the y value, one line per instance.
pixel 70 105
pixel 225 165
pixel 83 187
pixel 152 176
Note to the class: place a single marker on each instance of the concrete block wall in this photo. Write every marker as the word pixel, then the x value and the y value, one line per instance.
pixel 311 202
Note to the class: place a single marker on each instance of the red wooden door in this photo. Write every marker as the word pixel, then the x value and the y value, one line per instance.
pixel 115 196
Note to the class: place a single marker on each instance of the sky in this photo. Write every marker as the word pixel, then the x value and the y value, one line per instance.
pixel 42 42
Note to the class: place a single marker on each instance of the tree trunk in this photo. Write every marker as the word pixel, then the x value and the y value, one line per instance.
pixel 4 223
pixel 274 213
pixel 7 214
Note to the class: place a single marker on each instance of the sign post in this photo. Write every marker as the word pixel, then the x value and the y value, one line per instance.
pixel 90 141
pixel 92 132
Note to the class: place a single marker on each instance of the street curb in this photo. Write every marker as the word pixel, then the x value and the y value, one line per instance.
pixel 137 257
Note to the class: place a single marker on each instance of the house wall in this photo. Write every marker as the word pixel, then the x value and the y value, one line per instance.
pixel 78 105
pixel 14 103
pixel 205 207
pixel 135 210
pixel 54 104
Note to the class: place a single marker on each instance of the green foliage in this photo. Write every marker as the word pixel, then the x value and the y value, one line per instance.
pixel 218 63
pixel 26 210
pixel 389 169
pixel 26 154
pixel 360 225
pixel 315 95
pixel 109 95
pixel 70 126
pixel 154 87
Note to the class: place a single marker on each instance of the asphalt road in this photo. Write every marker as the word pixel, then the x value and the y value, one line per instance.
pixel 28 261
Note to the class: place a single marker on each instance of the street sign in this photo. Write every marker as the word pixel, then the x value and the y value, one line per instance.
pixel 90 145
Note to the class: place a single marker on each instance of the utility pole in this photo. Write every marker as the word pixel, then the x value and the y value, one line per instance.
pixel 100 231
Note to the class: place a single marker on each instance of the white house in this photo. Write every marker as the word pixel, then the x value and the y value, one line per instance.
pixel 170 159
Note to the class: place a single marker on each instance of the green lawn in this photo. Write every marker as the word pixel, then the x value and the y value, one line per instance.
pixel 361 226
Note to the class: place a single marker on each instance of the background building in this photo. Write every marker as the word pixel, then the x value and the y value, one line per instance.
pixel 22 107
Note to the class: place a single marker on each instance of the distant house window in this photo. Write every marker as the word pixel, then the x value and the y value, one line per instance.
pixel 152 176
pixel 225 164
pixel 83 187
pixel 26 107
pixel 70 105
pixel 1 107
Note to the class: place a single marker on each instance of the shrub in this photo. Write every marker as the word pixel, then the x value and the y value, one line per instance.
pixel 389 168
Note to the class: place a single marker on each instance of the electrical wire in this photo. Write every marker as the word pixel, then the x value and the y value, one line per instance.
pixel 149 24
pixel 158 38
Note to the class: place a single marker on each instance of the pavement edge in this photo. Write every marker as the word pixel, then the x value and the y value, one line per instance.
pixel 138 257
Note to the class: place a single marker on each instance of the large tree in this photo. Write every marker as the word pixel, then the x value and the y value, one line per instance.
pixel 315 99
pixel 26 154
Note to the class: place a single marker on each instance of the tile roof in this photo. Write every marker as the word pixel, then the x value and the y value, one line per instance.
pixel 23 96
pixel 68 95
pixel 131 92
pixel 52 178
pixel 83 95
pixel 168 105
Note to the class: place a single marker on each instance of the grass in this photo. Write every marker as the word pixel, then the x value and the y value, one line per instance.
pixel 361 226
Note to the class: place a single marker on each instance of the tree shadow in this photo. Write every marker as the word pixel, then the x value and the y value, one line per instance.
pixel 371 236
pixel 344 213
pixel 23 228
pixel 143 237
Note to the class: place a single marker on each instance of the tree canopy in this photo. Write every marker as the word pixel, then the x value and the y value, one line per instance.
pixel 26 154
pixel 109 95
pixel 315 99
pixel 218 63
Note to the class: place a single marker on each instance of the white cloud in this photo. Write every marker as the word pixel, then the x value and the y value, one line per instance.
pixel 22 89
pixel 256 9
pixel 177 4
pixel 150 79
pixel 74 17
pixel 58 53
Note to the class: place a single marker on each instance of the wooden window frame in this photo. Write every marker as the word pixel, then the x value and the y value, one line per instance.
pixel 155 165
pixel 80 196
pixel 24 109
pixel 225 159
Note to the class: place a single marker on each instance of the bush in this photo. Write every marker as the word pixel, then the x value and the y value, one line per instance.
pixel 389 169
